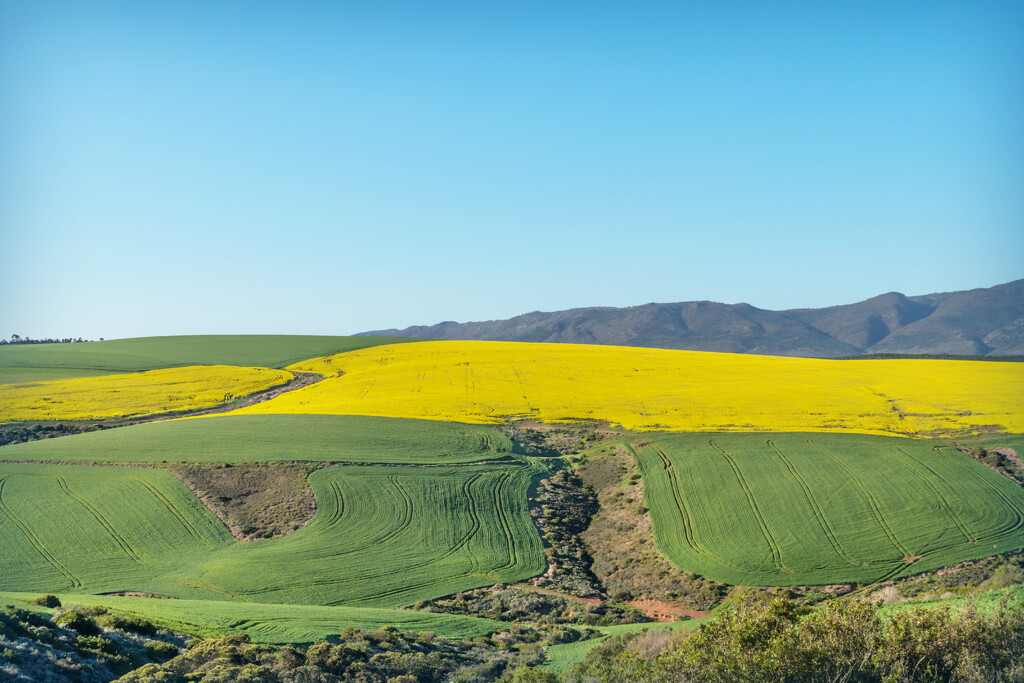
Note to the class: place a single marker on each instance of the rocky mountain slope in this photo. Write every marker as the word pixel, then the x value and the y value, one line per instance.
pixel 983 322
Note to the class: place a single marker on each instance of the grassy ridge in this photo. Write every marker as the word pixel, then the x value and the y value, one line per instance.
pixel 382 536
pixel 134 395
pixel 646 389
pixel 34 362
pixel 263 438
pixel 802 509
pixel 271 623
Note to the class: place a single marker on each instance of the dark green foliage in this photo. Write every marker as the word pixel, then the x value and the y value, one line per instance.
pixel 522 605
pixel 529 674
pixel 33 648
pixel 566 508
pixel 385 656
pixel 771 640
pixel 21 623
pixel 127 623
pixel 549 440
pixel 1002 459
pixel 48 600
pixel 160 651
pixel 76 621
pixel 19 433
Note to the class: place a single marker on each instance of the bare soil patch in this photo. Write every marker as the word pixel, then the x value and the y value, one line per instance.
pixel 661 610
pixel 256 501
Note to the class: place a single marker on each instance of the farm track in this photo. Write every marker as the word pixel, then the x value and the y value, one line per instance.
pixel 1017 511
pixel 35 542
pixel 819 514
pixel 301 381
pixel 868 495
pixel 776 552
pixel 689 532
pixel 172 508
pixel 125 546
pixel 939 497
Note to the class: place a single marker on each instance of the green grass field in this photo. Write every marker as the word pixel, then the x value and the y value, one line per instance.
pixel 264 438
pixel 270 623
pixel 382 536
pixel 37 362
pixel 812 509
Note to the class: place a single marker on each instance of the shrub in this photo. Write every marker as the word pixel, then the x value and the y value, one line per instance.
pixel 48 600
pixel 76 621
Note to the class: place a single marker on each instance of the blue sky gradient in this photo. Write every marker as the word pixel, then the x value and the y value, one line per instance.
pixel 328 168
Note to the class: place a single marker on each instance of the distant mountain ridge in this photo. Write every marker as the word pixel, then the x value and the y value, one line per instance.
pixel 976 322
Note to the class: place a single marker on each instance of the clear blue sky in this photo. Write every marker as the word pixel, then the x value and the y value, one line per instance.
pixel 327 168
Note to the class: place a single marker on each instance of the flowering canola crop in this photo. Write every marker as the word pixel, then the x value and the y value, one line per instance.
pixel 134 395
pixel 656 389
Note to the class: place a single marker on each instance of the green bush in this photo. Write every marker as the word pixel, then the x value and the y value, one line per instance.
pixel 127 623
pixel 76 621
pixel 48 600
pixel 158 650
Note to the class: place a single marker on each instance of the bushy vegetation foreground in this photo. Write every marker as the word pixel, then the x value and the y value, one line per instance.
pixel 773 640
pixel 760 638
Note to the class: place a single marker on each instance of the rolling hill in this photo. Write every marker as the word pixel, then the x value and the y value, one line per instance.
pixel 983 322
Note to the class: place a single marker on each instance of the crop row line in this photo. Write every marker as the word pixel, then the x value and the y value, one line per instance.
pixel 125 546
pixel 776 552
pixel 941 499
pixel 689 531
pixel 819 514
pixel 172 508
pixel 36 543
pixel 876 511
pixel 1017 512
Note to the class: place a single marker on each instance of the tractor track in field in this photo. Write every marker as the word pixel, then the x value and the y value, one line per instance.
pixel 107 526
pixel 816 508
pixel 773 545
pixel 35 542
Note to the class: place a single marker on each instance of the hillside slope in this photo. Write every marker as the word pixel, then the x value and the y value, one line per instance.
pixel 988 321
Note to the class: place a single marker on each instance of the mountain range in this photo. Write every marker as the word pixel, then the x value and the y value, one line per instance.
pixel 976 322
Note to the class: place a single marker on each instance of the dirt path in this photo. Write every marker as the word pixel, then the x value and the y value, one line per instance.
pixel 302 380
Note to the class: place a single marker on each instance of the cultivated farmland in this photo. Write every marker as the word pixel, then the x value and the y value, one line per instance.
pixel 421 492
pixel 134 395
pixel 812 509
pixel 36 362
pixel 645 389
pixel 277 438
pixel 383 536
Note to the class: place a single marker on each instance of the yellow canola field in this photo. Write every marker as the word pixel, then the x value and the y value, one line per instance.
pixel 134 395
pixel 644 389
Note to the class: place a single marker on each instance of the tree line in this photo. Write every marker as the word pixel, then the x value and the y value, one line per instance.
pixel 18 339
